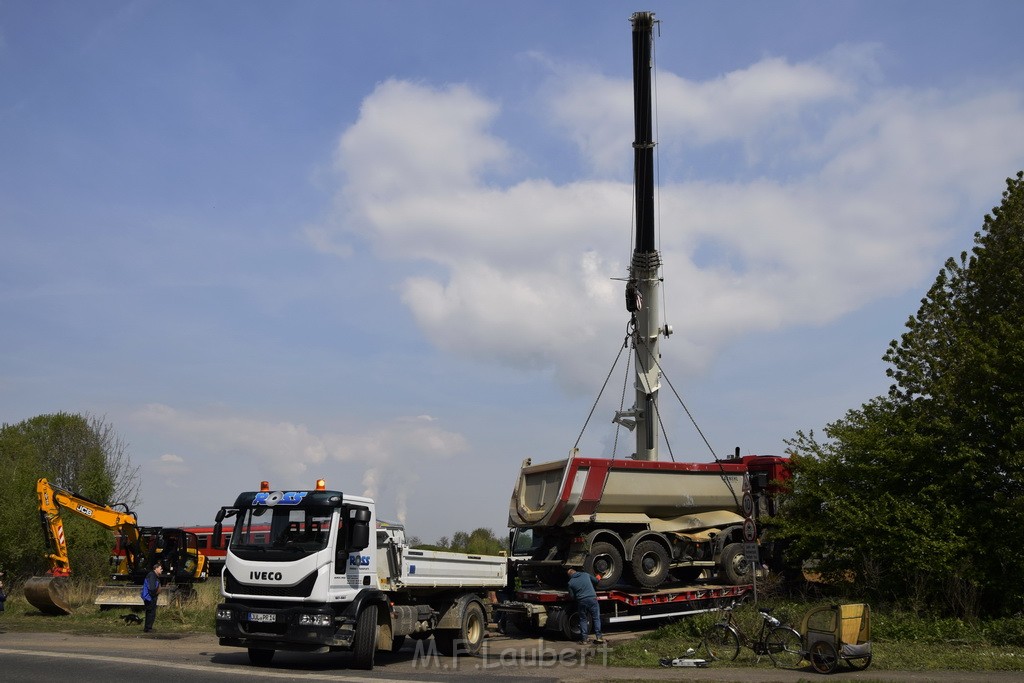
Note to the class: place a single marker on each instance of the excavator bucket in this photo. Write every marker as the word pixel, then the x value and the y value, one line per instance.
pixel 119 595
pixel 128 595
pixel 44 593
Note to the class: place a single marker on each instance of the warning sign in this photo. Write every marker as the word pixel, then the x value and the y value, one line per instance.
pixel 750 553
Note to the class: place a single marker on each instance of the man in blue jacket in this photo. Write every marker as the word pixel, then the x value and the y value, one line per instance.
pixel 150 591
pixel 581 589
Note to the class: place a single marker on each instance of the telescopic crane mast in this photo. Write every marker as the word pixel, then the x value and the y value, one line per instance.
pixel 644 284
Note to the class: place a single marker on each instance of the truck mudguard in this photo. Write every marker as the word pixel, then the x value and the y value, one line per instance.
pixel 367 596
pixel 452 617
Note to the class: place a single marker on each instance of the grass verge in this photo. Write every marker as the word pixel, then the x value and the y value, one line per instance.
pixel 900 641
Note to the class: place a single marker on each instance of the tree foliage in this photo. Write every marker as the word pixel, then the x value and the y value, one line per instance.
pixel 916 495
pixel 78 453
pixel 477 542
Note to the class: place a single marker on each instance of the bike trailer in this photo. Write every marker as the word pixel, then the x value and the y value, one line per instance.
pixel 835 633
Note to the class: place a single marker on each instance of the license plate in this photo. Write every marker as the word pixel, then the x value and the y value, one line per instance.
pixel 262 618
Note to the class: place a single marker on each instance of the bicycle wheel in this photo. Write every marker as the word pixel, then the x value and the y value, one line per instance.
pixel 823 657
pixel 722 642
pixel 785 647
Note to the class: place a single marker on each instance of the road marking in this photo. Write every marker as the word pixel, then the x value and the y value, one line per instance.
pixel 248 671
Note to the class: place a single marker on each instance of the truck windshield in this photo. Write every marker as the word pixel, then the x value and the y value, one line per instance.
pixel 524 543
pixel 281 532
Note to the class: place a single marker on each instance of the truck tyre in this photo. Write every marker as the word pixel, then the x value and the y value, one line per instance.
pixel 364 642
pixel 606 560
pixel 469 636
pixel 734 565
pixel 650 564
pixel 571 625
pixel 260 657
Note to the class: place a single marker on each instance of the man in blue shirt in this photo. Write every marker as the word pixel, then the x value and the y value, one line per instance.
pixel 150 591
pixel 581 589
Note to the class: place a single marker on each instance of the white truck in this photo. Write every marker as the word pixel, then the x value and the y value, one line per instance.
pixel 316 571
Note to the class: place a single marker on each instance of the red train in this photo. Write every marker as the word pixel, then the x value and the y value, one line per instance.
pixel 215 555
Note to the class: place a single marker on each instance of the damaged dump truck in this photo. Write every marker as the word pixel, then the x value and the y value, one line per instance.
pixel 640 519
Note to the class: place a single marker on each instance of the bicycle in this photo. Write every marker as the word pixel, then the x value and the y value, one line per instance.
pixel 782 644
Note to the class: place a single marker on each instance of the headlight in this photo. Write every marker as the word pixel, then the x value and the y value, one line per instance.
pixel 314 620
pixel 224 614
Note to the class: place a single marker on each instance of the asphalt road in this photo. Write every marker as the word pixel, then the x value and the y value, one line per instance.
pixel 158 658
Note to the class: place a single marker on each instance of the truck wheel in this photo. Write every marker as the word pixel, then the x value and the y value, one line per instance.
pixel 571 625
pixel 469 636
pixel 650 564
pixel 364 642
pixel 606 560
pixel 260 657
pixel 734 565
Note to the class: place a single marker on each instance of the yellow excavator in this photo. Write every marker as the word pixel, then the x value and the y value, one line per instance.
pixel 138 549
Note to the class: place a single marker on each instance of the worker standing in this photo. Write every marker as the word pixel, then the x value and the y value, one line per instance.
pixel 582 589
pixel 150 592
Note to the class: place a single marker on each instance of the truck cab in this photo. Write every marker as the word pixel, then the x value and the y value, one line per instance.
pixel 315 571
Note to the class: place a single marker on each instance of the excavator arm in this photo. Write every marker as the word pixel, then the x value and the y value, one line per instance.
pixel 43 592
pixel 138 548
pixel 52 499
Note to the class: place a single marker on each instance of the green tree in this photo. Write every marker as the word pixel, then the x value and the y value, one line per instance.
pixel 916 495
pixel 75 452
pixel 477 542
pixel 21 542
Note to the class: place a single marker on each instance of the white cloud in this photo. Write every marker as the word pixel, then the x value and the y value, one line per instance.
pixel 285 451
pixel 846 192
pixel 410 136
pixel 171 469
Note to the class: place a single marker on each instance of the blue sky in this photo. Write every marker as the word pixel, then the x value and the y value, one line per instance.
pixel 375 242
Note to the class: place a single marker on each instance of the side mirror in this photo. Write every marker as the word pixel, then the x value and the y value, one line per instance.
pixel 358 535
pixel 218 530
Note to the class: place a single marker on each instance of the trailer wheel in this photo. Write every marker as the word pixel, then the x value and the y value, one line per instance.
pixel 823 657
pixel 606 560
pixel 260 657
pixel 364 643
pixel 570 623
pixel 734 565
pixel 469 636
pixel 650 564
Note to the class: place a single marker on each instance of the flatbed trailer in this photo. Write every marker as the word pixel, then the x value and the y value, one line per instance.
pixel 551 612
